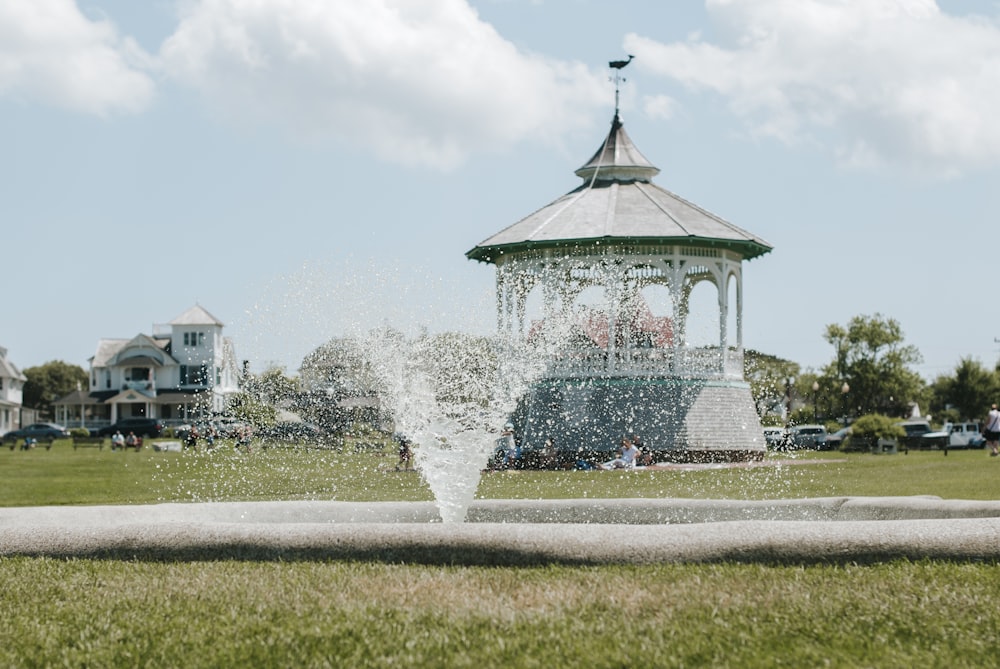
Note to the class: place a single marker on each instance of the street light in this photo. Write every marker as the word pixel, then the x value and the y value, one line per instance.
pixel 844 389
pixel 815 409
pixel 789 382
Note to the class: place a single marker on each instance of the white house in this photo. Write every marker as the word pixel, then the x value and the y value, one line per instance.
pixel 185 369
pixel 11 394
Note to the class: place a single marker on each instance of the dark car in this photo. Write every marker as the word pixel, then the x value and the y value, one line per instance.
pixel 808 436
pixel 291 433
pixel 835 440
pixel 920 435
pixel 39 432
pixel 142 427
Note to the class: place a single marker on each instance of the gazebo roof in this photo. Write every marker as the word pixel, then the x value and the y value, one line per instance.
pixel 618 203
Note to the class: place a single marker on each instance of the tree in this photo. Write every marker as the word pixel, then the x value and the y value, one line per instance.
pixel 339 369
pixel 768 376
pixel 970 391
pixel 47 383
pixel 272 386
pixel 463 367
pixel 872 359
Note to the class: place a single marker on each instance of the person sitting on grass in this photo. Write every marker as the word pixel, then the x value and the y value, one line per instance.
pixel 626 456
pixel 117 441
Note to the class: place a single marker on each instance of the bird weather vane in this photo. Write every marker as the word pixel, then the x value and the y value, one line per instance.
pixel 617 66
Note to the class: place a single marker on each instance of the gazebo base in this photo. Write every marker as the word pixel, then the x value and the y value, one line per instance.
pixel 680 420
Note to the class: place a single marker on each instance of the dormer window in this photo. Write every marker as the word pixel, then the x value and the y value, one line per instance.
pixel 194 339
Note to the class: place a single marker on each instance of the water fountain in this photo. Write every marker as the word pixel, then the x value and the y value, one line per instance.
pixel 454 435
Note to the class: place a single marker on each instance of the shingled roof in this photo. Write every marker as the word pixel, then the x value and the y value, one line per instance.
pixel 619 203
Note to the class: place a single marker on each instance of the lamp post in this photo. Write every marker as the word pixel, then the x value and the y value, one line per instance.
pixel 844 389
pixel 789 382
pixel 815 407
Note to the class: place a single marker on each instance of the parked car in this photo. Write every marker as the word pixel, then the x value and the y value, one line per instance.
pixel 142 427
pixel 39 432
pixel 775 437
pixel 836 439
pixel 291 433
pixel 807 436
pixel 964 435
pixel 920 435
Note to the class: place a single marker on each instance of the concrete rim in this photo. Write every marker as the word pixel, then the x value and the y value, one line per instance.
pixel 517 532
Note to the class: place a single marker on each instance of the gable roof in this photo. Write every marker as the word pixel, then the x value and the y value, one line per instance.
pixel 142 350
pixel 196 315
pixel 618 202
pixel 7 369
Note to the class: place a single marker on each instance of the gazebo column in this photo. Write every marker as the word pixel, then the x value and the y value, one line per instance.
pixel 722 279
pixel 613 291
pixel 678 299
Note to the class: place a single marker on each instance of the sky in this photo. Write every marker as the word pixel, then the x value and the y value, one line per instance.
pixel 302 168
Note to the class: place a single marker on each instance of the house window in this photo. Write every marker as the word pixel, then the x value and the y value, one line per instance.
pixel 194 376
pixel 194 339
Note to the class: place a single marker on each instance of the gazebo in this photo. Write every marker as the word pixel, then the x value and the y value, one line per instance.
pixel 584 273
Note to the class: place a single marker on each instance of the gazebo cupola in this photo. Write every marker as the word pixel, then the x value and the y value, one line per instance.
pixel 584 271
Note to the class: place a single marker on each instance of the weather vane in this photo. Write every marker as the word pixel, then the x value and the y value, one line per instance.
pixel 617 66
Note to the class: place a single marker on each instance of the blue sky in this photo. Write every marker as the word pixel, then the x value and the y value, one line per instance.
pixel 302 167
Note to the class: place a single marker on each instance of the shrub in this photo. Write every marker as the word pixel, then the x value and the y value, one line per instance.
pixel 772 420
pixel 79 432
pixel 868 430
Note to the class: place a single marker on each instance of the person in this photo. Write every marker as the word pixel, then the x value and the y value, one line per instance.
pixel 644 456
pixel 243 435
pixel 549 457
pixel 191 440
pixel 210 434
pixel 405 455
pixel 626 456
pixel 132 441
pixel 117 441
pixel 991 431
pixel 511 453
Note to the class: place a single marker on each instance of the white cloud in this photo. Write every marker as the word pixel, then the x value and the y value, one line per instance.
pixel 50 52
pixel 880 81
pixel 419 81
pixel 661 107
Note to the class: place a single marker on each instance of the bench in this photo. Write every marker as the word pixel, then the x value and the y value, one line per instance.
pixel 88 441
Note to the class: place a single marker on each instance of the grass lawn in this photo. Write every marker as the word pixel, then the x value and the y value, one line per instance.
pixel 92 613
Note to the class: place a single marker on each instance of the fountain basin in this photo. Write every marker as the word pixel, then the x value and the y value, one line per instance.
pixel 517 532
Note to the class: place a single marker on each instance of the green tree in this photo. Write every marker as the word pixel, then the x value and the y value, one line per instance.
pixel 251 410
pixel 272 386
pixel 769 376
pixel 463 367
pixel 47 383
pixel 875 363
pixel 969 391
pixel 339 369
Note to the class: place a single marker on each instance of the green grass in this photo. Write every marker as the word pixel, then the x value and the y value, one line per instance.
pixel 89 476
pixel 93 613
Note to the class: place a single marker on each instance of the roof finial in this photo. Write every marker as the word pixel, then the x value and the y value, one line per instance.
pixel 617 66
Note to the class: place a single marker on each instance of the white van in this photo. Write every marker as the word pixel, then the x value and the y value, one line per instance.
pixel 964 435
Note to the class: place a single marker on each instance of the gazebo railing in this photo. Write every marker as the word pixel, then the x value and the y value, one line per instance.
pixel 699 363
